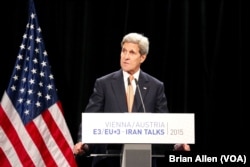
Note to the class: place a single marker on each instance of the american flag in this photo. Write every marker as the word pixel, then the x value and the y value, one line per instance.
pixel 33 130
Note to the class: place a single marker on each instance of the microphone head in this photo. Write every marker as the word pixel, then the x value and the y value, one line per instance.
pixel 129 83
pixel 136 82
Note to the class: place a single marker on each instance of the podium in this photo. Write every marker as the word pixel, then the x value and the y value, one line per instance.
pixel 137 155
pixel 137 132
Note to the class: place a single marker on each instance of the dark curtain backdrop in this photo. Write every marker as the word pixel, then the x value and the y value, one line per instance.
pixel 196 49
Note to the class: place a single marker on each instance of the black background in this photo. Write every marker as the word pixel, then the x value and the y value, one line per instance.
pixel 196 49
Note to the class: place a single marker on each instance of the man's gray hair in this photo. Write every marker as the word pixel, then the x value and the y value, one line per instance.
pixel 139 39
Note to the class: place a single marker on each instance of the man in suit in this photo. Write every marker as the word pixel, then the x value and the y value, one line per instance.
pixel 109 94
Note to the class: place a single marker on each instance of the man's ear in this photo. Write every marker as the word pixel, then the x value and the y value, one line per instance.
pixel 143 58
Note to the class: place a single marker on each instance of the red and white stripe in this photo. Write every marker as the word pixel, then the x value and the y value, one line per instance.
pixel 45 141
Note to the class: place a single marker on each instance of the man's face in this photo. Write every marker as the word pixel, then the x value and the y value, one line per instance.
pixel 131 58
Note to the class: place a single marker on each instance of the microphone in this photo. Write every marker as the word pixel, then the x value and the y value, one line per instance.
pixel 139 91
pixel 129 83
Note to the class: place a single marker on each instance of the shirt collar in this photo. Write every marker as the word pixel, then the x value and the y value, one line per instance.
pixel 126 75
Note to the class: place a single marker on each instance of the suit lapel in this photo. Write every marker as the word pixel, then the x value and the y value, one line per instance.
pixel 143 84
pixel 119 91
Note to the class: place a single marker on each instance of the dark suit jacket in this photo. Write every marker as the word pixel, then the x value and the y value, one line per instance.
pixel 109 96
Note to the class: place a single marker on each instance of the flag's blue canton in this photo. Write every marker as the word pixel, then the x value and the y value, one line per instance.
pixel 32 89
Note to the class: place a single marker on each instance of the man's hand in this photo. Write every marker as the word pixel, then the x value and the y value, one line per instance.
pixel 80 148
pixel 182 147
